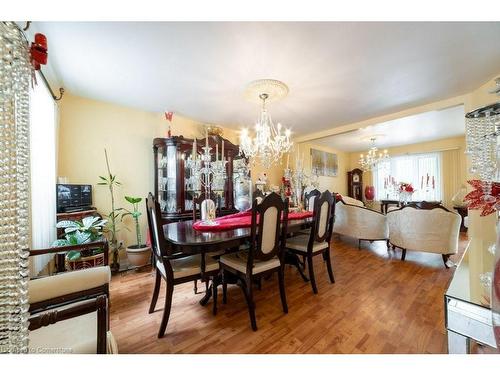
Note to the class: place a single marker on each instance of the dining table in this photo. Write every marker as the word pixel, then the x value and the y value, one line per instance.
pixel 185 239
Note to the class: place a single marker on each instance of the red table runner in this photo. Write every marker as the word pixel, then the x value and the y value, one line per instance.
pixel 241 220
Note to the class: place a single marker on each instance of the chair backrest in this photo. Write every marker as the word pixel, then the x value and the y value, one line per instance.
pixel 258 195
pixel 309 199
pixel 158 242
pixel 206 202
pixel 268 234
pixel 323 218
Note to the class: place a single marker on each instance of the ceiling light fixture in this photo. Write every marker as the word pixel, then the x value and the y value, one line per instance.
pixel 371 160
pixel 270 141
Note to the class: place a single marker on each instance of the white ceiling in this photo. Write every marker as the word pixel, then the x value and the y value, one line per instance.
pixel 338 73
pixel 423 127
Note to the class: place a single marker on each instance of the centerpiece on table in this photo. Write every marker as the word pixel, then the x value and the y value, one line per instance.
pixel 406 191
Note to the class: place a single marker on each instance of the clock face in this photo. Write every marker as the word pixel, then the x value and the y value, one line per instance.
pixel 355 178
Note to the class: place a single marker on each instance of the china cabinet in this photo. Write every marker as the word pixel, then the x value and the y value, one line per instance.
pixel 174 187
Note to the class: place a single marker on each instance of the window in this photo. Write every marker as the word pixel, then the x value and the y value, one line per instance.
pixel 43 172
pixel 423 171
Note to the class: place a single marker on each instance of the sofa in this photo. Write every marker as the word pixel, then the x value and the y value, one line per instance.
pixel 355 220
pixel 434 230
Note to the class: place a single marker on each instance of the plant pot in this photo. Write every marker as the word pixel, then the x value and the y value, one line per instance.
pixel 86 262
pixel 138 255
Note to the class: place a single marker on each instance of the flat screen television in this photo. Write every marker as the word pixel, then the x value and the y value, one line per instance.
pixel 71 197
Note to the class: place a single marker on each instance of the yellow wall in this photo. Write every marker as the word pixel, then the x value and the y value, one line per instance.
pixel 454 167
pixel 88 126
pixel 336 184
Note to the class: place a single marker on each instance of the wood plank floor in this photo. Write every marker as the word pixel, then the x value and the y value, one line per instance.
pixel 377 305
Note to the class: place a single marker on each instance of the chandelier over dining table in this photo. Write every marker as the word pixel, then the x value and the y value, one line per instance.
pixel 270 141
pixel 373 157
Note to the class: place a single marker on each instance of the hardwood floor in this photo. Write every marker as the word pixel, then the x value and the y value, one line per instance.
pixel 377 305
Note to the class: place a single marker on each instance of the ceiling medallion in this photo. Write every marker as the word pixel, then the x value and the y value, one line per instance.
pixel 371 160
pixel 270 141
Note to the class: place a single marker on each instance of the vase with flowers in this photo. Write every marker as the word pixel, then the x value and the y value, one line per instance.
pixel 406 191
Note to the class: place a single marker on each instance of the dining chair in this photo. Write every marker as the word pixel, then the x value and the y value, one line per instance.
pixel 264 255
pixel 258 195
pixel 174 268
pixel 318 240
pixel 309 199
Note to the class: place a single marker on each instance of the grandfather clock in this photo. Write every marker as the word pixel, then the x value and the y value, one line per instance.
pixel 355 184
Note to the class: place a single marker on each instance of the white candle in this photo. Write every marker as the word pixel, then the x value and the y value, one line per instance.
pixel 216 152
pixel 194 149
pixel 206 138
pixel 222 150
pixel 287 160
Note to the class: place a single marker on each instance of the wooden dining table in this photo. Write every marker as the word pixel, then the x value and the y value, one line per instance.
pixel 186 240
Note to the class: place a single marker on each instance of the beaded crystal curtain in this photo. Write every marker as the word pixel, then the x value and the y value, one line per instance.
pixel 15 77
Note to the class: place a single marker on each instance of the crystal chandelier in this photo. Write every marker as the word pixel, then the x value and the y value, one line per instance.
pixel 373 157
pixel 271 141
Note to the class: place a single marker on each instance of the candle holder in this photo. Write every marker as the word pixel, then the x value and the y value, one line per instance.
pixel 207 173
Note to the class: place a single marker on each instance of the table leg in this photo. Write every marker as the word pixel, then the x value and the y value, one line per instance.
pixel 458 344
pixel 294 260
pixel 230 279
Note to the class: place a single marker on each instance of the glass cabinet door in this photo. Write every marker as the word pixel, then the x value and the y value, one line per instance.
pixel 167 188
pixel 242 185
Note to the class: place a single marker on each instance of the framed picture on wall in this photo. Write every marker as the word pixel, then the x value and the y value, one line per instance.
pixel 325 163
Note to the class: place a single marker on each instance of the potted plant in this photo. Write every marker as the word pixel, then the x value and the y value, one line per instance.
pixel 80 232
pixel 138 254
pixel 112 229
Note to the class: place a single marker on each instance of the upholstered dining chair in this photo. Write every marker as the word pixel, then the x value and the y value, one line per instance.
pixel 258 195
pixel 309 199
pixel 318 240
pixel 174 268
pixel 264 255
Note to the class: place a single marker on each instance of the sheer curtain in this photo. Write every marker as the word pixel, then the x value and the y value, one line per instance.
pixel 43 126
pixel 423 171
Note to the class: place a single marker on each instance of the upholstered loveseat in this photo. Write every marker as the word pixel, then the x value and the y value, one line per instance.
pixel 430 230
pixel 355 220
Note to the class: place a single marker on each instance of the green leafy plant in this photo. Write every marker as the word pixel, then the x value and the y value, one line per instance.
pixel 112 228
pixel 135 213
pixel 80 232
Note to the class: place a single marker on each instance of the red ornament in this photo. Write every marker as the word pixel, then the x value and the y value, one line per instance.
pixel 475 197
pixel 169 115
pixel 370 193
pixel 38 51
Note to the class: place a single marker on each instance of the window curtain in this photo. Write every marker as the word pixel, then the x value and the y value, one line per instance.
pixel 411 169
pixel 43 127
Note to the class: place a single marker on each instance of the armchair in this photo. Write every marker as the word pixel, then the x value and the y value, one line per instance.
pixel 355 220
pixel 69 311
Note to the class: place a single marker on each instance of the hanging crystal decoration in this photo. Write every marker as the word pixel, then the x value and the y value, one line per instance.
pixel 16 73
pixel 482 131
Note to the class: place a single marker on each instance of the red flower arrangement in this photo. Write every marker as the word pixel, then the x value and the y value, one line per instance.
pixel 407 187
pixel 475 197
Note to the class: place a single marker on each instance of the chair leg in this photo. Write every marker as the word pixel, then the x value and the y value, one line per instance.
pixel 247 289
pixel 311 273
pixel 214 296
pixel 446 257
pixel 329 266
pixel 156 291
pixel 281 278
pixel 166 310
pixel 224 287
pixel 359 244
pixel 195 289
pixel 403 254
